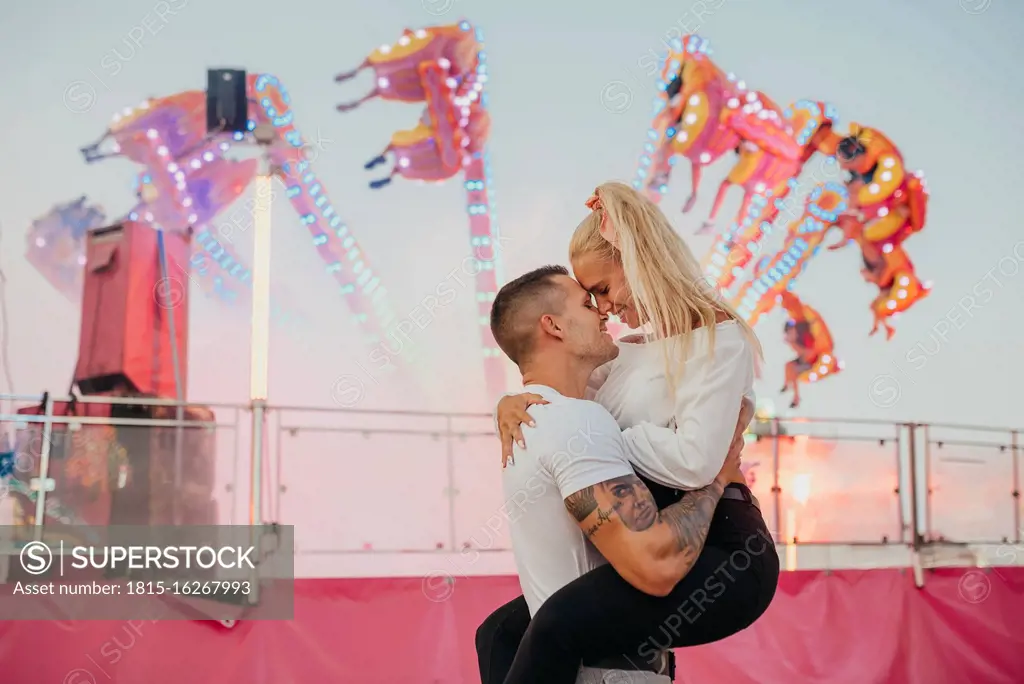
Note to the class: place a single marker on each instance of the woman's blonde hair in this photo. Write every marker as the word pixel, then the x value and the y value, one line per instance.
pixel 669 291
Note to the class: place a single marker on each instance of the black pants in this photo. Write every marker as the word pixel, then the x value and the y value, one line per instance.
pixel 601 615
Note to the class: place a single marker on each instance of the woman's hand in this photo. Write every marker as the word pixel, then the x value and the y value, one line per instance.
pixel 731 472
pixel 511 415
pixel 747 412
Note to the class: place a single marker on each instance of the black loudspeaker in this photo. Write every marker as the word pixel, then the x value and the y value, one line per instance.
pixel 227 107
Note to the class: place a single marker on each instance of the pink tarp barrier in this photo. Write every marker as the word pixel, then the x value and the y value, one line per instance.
pixel 855 627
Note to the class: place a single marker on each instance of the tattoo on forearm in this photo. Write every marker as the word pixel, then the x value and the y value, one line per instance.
pixel 690 519
pixel 581 504
pixel 626 496
pixel 603 516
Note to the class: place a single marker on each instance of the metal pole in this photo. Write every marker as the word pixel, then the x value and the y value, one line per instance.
pixel 259 356
pixel 276 487
pixel 1015 455
pixel 912 457
pixel 776 490
pixel 179 432
pixel 259 417
pixel 928 482
pixel 450 459
pixel 42 484
pixel 900 495
pixel 255 502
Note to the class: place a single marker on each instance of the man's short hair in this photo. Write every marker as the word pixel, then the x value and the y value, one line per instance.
pixel 518 306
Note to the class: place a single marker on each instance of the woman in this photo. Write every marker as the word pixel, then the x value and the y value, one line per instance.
pixel 674 390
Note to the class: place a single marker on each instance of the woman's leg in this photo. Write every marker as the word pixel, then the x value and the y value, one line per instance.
pixel 497 640
pixel 601 615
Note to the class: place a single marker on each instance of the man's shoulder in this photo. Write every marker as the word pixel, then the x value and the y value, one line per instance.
pixel 565 414
pixel 570 427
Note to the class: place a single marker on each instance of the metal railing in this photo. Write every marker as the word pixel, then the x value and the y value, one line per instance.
pixel 964 464
pixel 70 461
pixel 356 482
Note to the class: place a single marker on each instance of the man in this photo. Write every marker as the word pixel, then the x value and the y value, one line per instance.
pixel 576 462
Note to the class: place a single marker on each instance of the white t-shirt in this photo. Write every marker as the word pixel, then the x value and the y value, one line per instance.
pixel 575 445
pixel 683 442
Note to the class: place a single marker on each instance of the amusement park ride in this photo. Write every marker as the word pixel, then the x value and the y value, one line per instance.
pixel 702 114
pixel 134 334
pixel 445 68
pixel 186 180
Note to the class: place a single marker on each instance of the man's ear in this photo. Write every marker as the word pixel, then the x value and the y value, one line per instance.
pixel 549 325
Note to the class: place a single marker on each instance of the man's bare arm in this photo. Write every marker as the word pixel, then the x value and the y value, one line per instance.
pixel 581 504
pixel 690 520
pixel 652 550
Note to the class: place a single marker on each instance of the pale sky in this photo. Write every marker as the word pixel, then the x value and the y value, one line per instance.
pixel 940 78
